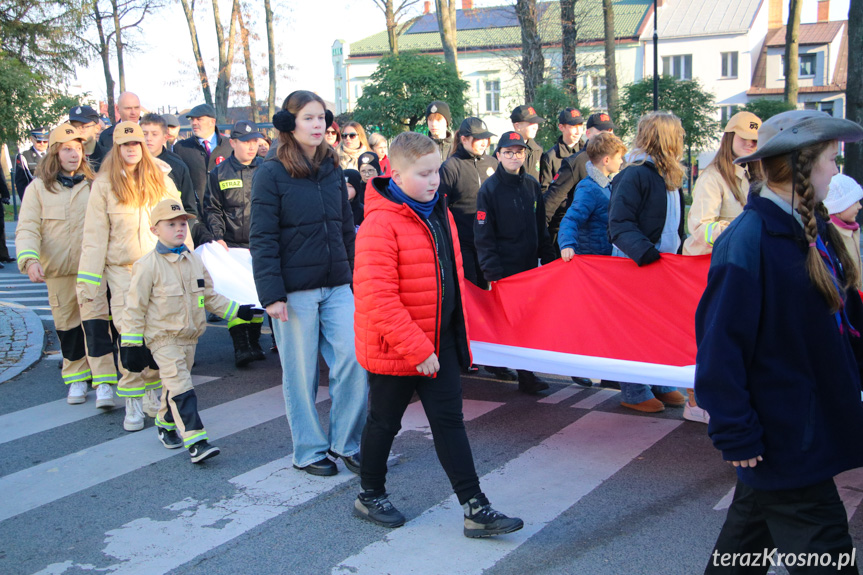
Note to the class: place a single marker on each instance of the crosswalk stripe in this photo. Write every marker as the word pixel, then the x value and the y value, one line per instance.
pixel 53 414
pixel 3 293
pixel 17 299
pixel 559 396
pixel 848 484
pixel 52 480
pixel 725 502
pixel 595 399
pixel 46 317
pixel 568 465
pixel 262 494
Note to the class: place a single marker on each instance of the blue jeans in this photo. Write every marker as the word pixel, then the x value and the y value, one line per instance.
pixel 638 392
pixel 321 320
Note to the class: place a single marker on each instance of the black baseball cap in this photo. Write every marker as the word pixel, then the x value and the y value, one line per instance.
pixel 201 110
pixel 600 121
pixel 526 113
pixel 438 107
pixel 245 131
pixel 83 114
pixel 474 128
pixel 510 139
pixel 570 117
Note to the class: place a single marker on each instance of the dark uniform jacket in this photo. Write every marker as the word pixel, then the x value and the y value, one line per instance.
pixel 25 166
pixel 228 201
pixel 532 158
pixel 183 180
pixel 106 138
pixel 193 154
pixel 445 146
pixel 549 163
pixel 98 156
pixel 460 179
pixel 510 230
pixel 302 234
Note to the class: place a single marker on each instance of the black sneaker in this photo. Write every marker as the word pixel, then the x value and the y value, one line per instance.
pixel 528 383
pixel 582 381
pixel 378 510
pixel 501 373
pixel 352 462
pixel 480 520
pixel 202 450
pixel 169 438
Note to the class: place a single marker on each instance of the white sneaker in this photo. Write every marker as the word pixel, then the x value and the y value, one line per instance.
pixel 134 414
pixel 695 414
pixel 77 392
pixel 152 402
pixel 105 396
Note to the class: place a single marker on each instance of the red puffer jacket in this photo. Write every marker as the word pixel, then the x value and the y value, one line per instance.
pixel 397 286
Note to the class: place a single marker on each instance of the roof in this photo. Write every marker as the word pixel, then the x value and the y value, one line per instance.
pixel 810 34
pixel 840 74
pixel 497 27
pixel 683 18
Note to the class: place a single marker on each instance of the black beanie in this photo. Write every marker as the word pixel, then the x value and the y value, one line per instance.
pixel 354 178
pixel 369 158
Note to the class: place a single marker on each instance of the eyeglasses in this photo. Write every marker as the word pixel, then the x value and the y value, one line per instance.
pixel 332 132
pixel 41 141
pixel 350 135
pixel 509 154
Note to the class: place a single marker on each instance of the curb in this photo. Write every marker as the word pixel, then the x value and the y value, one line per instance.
pixel 35 338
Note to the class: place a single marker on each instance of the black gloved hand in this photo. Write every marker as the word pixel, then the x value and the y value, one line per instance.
pixel 245 312
pixel 135 359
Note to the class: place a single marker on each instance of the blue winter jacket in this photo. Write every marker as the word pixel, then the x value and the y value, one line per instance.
pixel 585 226
pixel 774 370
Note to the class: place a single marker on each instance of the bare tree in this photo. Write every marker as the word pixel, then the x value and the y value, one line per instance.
pixel 226 57
pixel 394 15
pixel 792 65
pixel 271 57
pixel 446 22
pixel 569 31
pixel 854 88
pixel 250 73
pixel 610 66
pixel 189 11
pixel 104 49
pixel 532 60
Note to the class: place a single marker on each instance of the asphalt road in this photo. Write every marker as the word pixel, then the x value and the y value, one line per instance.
pixel 601 489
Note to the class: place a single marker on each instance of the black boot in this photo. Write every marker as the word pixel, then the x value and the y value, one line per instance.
pixel 243 354
pixel 255 341
pixel 528 383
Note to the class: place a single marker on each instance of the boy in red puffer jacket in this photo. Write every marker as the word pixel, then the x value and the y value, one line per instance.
pixel 411 331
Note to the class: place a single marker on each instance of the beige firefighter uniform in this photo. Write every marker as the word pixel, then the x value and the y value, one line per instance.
pixel 714 206
pixel 49 232
pixel 115 236
pixel 165 310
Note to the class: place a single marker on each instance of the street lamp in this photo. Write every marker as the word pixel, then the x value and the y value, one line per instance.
pixel 655 56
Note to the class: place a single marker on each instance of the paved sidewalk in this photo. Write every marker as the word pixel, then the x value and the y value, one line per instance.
pixel 22 338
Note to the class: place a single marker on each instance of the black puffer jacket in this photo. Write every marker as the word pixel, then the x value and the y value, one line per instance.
pixel 302 233
pixel 550 162
pixel 637 211
pixel 510 230
pixel 228 203
pixel 460 179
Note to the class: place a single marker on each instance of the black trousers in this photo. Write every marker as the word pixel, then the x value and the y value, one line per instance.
pixel 804 522
pixel 472 271
pixel 441 399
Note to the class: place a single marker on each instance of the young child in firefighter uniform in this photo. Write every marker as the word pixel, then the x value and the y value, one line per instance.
pixel 165 310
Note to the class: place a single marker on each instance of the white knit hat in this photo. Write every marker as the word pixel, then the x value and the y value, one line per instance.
pixel 844 192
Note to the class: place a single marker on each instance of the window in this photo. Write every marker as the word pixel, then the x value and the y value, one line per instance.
pixel 492 96
pixel 679 67
pixel 597 92
pixel 725 113
pixel 808 63
pixel 729 64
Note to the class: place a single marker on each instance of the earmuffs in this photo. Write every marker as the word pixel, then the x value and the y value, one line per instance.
pixel 284 121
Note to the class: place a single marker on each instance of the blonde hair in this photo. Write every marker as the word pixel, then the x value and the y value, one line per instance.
pixel 144 188
pixel 796 168
pixel 408 147
pixel 723 162
pixel 289 152
pixel 604 144
pixel 375 139
pixel 660 135
pixel 49 168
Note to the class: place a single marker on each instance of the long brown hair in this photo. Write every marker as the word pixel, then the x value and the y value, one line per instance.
pixel 146 186
pixel 723 162
pixel 364 142
pixel 660 135
pixel 784 169
pixel 289 152
pixel 49 168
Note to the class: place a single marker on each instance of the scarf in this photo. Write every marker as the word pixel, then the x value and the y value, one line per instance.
pixel 839 223
pixel 423 209
pixel 70 181
pixel 163 249
pixel 841 316
pixel 349 158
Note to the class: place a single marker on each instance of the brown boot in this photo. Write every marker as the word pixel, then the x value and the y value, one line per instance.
pixel 652 405
pixel 672 398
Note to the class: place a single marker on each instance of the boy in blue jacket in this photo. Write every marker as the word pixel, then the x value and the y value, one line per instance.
pixel 584 229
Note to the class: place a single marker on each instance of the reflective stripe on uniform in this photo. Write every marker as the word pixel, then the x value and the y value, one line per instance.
pixel 200 436
pixel 108 378
pixel 130 392
pixel 154 385
pixel 80 376
pixel 165 424
pixel 133 339
pixel 89 278
pixel 710 233
pixel 231 311
pixel 27 254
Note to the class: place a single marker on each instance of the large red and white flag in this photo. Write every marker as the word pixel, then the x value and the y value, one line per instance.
pixel 595 316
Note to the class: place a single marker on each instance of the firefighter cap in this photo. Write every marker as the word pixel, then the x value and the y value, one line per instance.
pixel 168 210
pixel 65 133
pixel 126 132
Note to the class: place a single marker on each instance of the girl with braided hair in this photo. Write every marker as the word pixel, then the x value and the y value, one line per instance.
pixel 779 353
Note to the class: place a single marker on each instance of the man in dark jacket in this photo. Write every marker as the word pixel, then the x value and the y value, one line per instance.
pixel 203 150
pixel 438 119
pixel 86 119
pixel 25 162
pixel 128 109
pixel 570 122
pixel 558 196
pixel 510 230
pixel 228 206
pixel 525 122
